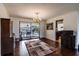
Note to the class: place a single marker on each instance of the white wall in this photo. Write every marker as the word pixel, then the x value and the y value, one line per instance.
pixel 70 23
pixel 3 11
pixel 42 29
pixel 50 34
pixel 16 26
pixel 3 14
pixel 77 41
pixel 0 37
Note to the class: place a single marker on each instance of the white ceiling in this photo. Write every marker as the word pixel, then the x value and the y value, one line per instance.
pixel 46 10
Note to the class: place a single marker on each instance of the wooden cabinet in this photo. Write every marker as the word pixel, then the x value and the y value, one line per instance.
pixel 6 41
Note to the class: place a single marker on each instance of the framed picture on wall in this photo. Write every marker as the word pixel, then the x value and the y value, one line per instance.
pixel 49 26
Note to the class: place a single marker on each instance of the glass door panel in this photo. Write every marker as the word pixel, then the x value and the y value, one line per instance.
pixel 25 30
pixel 35 30
pixel 29 30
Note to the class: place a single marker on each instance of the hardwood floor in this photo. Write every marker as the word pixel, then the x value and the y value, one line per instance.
pixel 21 49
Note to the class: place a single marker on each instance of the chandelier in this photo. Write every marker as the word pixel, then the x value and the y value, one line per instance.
pixel 37 19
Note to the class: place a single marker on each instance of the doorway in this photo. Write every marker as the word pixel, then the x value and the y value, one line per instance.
pixel 59 28
pixel 29 30
pixel 59 25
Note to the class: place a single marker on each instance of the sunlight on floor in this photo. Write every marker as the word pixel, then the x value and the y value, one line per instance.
pixel 23 50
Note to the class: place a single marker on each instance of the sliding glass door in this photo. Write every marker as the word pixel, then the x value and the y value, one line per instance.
pixel 25 30
pixel 29 30
pixel 35 30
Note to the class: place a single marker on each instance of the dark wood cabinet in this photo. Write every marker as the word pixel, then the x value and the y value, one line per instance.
pixel 6 41
pixel 67 39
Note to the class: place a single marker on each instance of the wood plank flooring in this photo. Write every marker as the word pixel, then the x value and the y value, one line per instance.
pixel 21 49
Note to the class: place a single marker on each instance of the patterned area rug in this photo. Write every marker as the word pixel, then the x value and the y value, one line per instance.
pixel 39 48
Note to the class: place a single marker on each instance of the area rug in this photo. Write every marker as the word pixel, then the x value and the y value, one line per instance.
pixel 39 48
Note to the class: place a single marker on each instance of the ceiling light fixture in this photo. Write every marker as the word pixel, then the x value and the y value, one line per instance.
pixel 37 19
